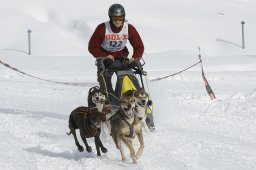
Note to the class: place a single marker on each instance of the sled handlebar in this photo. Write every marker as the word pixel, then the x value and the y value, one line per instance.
pixel 121 64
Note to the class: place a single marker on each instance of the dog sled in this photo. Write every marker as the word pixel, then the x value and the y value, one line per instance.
pixel 129 76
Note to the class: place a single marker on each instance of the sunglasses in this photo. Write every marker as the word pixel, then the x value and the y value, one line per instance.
pixel 117 18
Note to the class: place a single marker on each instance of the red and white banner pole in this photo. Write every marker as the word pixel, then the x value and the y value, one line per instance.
pixel 207 85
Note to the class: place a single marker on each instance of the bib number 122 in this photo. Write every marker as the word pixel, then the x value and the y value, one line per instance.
pixel 115 43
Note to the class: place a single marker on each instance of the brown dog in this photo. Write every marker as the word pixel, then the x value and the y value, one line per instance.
pixel 88 121
pixel 126 125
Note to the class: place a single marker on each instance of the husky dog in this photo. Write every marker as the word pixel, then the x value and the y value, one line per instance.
pixel 126 125
pixel 142 103
pixel 96 98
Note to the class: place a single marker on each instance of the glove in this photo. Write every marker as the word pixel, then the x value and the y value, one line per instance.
pixel 108 62
pixel 133 64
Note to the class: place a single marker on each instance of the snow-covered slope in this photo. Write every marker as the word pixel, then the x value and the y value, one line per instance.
pixel 192 131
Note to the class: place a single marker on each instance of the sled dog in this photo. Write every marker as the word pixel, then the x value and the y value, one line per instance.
pixel 126 125
pixel 88 120
pixel 142 102
pixel 96 98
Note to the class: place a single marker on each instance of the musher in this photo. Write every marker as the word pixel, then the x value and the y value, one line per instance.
pixel 109 40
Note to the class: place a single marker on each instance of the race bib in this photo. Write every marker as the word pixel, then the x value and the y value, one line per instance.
pixel 115 41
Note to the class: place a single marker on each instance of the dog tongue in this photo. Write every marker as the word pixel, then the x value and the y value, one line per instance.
pixel 130 111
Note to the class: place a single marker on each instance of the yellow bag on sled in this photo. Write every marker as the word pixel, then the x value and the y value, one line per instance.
pixel 127 84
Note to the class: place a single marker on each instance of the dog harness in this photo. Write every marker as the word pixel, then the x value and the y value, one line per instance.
pixel 131 126
pixel 90 129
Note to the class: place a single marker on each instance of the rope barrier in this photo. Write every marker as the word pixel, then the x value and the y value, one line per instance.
pixel 51 81
pixel 160 78
pixel 207 85
pixel 208 88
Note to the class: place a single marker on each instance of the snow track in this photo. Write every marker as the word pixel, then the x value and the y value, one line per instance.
pixel 192 132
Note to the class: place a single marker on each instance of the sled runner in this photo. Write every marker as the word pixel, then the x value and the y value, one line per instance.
pixel 126 79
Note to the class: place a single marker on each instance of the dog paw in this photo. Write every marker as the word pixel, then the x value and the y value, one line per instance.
pixel 134 162
pixel 104 150
pixel 98 154
pixel 80 148
pixel 89 149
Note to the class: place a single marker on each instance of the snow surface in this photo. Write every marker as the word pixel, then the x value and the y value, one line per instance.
pixel 192 131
